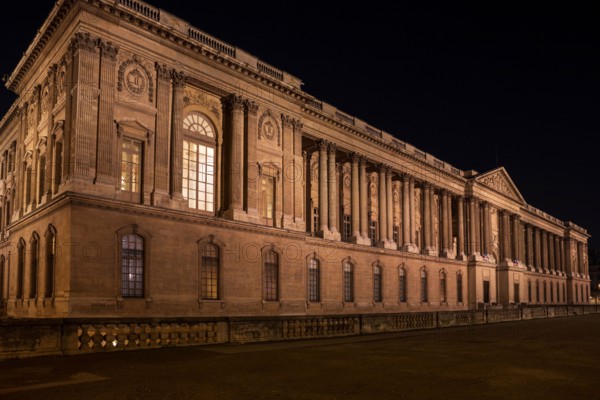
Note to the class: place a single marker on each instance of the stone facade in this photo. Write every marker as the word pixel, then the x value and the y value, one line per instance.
pixel 151 170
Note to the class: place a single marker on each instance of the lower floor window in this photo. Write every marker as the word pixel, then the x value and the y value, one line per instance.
pixel 132 266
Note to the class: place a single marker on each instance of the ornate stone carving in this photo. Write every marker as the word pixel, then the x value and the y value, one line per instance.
pixel 233 103
pixel 179 78
pixel 332 148
pixel 298 125
pixel 61 81
pixel 136 78
pixel 45 99
pixel 323 144
pixel 268 127
pixel 162 71
pixel 252 107
pixel 287 121
pixel 108 50
pixel 83 41
pixel 194 97
pixel 499 183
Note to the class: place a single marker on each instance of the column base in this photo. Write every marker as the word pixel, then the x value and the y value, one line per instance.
pixel 387 244
pixel 448 254
pixel 475 257
pixel 462 257
pixel 329 235
pixel 410 248
pixel 160 198
pixel 235 214
pixel 430 252
pixel 360 240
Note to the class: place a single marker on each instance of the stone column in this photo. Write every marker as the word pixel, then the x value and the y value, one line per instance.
pixel 471 233
pixel 580 268
pixel 557 266
pixel 390 209
pixel 529 245
pixel 407 228
pixel 235 153
pixel 515 237
pixel 544 242
pixel 551 259
pixel 538 248
pixel 161 158
pixel 445 239
pixel 426 218
pixel 486 229
pixel 461 228
pixel 251 165
pixel 382 206
pixel 323 186
pixel 412 205
pixel 563 263
pixel 298 176
pixel 333 193
pixel 364 212
pixel 51 146
pixel 105 166
pixel 450 241
pixel 355 198
pixel 288 178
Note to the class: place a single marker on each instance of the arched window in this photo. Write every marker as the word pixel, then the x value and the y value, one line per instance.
pixel 459 287
pixel 443 298
pixel 564 292
pixel 551 292
pixel 402 285
pixel 33 266
pixel 423 286
pixel 545 287
pixel 348 270
pixel 210 272
pixel 271 276
pixel 537 291
pixel 132 266
pixel 20 268
pixel 529 291
pixel 199 163
pixel 314 294
pixel 50 261
pixel 377 284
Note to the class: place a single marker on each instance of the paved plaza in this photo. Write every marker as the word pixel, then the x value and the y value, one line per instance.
pixel 546 359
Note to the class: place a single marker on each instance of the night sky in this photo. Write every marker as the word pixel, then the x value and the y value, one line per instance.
pixel 479 86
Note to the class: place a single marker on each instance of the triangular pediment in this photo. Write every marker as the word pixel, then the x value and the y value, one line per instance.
pixel 499 180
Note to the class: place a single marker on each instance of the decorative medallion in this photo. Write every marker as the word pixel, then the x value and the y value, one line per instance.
pixel 268 130
pixel 135 82
pixel 62 81
pixel 268 127
pixel 136 78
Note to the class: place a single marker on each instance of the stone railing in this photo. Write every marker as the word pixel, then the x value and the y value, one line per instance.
pixel 142 8
pixel 35 337
pixel 270 70
pixel 212 42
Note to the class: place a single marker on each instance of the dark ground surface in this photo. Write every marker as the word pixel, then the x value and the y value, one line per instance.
pixel 557 358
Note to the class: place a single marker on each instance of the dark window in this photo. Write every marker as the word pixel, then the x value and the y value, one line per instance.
pixel 58 166
pixel 33 267
pixel 459 288
pixel 271 277
pixel 2 262
pixel 42 177
pixel 529 291
pixel 50 260
pixel 517 294
pixel 551 292
pixel 545 293
pixel 313 280
pixel 210 272
pixel 315 219
pixel 396 234
pixel 486 292
pixel 20 269
pixel 537 291
pixel 132 266
pixel 373 232
pixel 346 228
pixel 564 292
pixel 402 286
pixel 443 287
pixel 423 286
pixel 377 284
pixel 348 282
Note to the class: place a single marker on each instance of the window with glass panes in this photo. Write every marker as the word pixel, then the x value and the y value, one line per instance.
pixel 315 219
pixel 529 291
pixel 131 169
pixel 271 276
pixel 423 286
pixel 267 188
pixel 551 292
pixel 486 292
pixel 199 163
pixel 346 228
pixel 402 285
pixel 396 234
pixel 210 272
pixel 132 266
pixel 537 291
pixel 545 292
pixel 516 290
pixel 459 287
pixel 443 287
pixel 348 282
pixel 313 281
pixel 377 284
pixel 373 232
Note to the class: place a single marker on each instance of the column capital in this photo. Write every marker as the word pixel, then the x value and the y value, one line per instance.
pixel 355 157
pixel 405 177
pixel 323 144
pixel 162 71
pixel 108 50
pixel 251 107
pixel 332 148
pixel 179 79
pixel 287 121
pixel 234 102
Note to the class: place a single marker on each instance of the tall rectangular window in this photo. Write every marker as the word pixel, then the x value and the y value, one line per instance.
pixel 271 276
pixel 402 286
pixel 424 286
pixel 132 266
pixel 545 293
pixel 373 232
pixel 486 292
pixel 33 270
pixel 131 169
pixel 346 228
pixel 20 268
pixel 537 291
pixel 377 284
pixel 529 291
pixel 210 272
pixel 315 219
pixel 267 189
pixel 459 288
pixel 516 293
pixel 396 234
pixel 348 282
pixel 313 281
pixel 50 260
pixel 198 175
pixel 443 287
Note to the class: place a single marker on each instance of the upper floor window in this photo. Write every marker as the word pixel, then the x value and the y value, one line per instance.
pixel 346 227
pixel 132 266
pixel 267 193
pixel 131 169
pixel 199 163
pixel 210 272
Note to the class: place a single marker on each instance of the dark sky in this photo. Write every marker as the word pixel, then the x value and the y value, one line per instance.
pixel 471 84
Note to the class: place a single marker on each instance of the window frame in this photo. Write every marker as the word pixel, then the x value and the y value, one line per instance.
pixel 348 282
pixel 147 275
pixel 459 287
pixel 313 294
pixel 402 286
pixel 204 294
pixel 130 195
pixel 424 290
pixel 377 283
pixel 270 251
pixel 443 287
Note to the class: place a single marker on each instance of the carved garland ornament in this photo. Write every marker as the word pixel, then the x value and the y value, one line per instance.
pixel 135 78
pixel 268 127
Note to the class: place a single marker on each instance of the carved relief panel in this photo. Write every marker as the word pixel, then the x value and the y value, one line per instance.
pixel 135 79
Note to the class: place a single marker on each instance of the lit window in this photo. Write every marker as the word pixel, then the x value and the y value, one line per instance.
pixel 132 266
pixel 199 163
pixel 131 169
pixel 402 286
pixel 313 281
pixel 268 200
pixel 271 276
pixel 315 219
pixel 348 282
pixel 210 272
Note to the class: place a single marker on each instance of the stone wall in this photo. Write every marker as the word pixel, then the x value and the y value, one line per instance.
pixel 21 338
